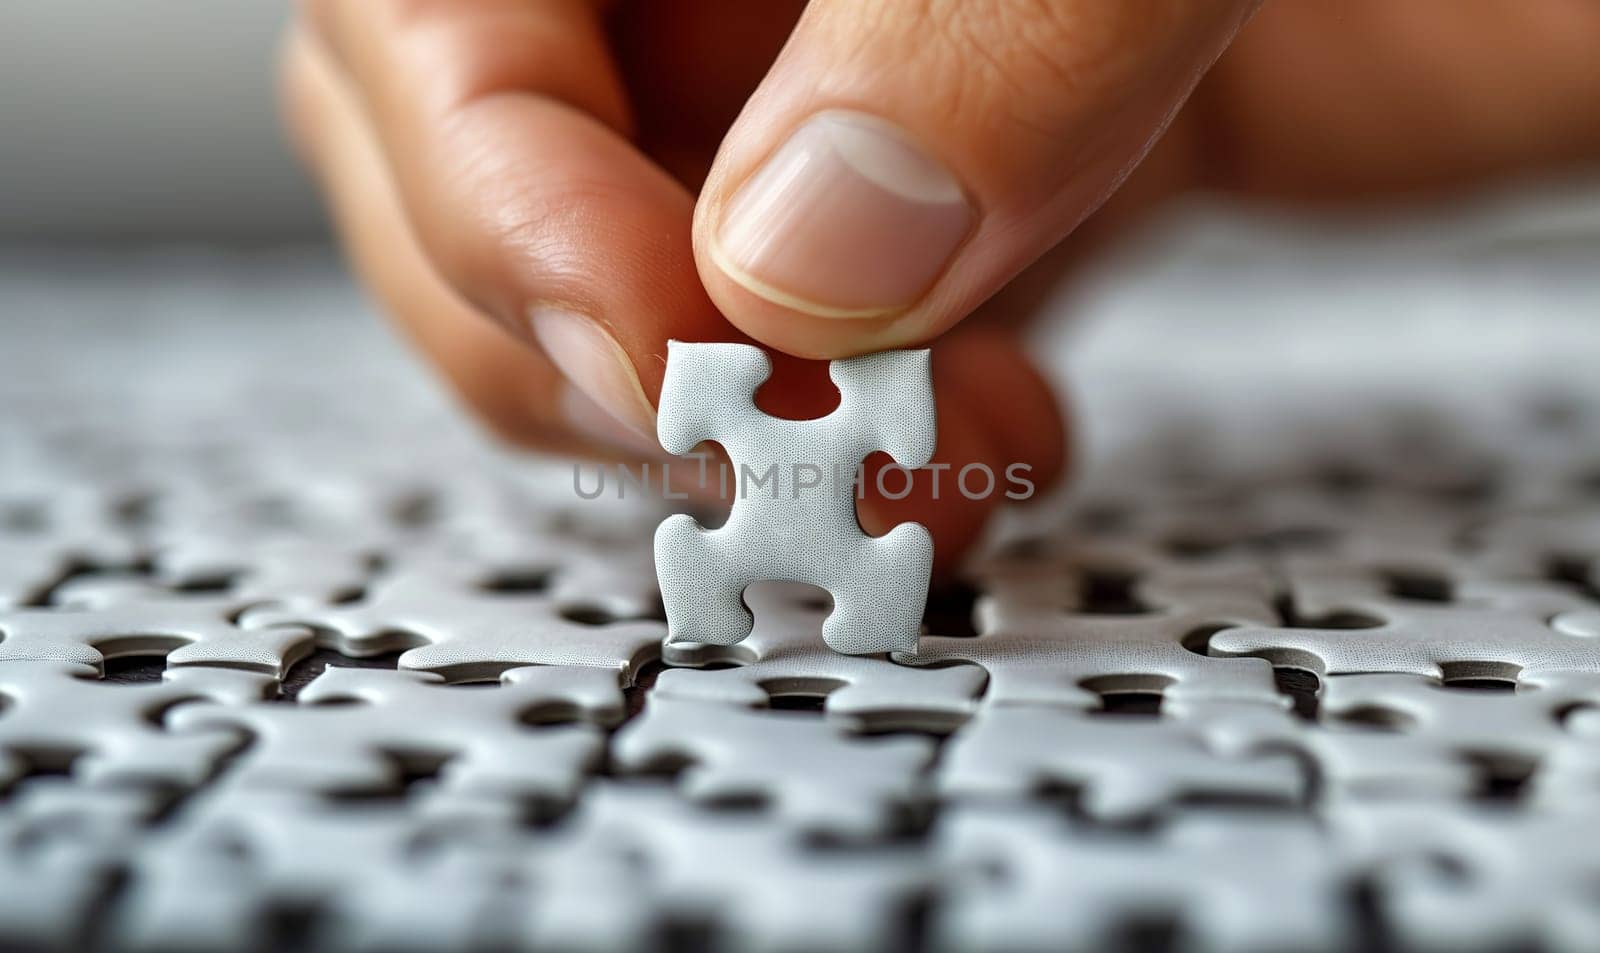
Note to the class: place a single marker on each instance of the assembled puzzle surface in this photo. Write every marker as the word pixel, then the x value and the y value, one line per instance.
pixel 290 660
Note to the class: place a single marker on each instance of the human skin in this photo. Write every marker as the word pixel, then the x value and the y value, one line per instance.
pixel 542 193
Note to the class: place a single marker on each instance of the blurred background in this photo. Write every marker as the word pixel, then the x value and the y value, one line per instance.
pixel 150 119
pixel 157 120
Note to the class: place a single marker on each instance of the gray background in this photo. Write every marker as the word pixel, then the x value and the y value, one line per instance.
pixel 157 120
pixel 145 119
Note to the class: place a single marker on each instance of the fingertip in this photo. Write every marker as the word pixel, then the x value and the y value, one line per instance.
pixel 1002 440
pixel 953 497
pixel 827 248
pixel 1018 407
pixel 785 328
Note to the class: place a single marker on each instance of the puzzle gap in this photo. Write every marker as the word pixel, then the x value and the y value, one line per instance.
pixel 797 389
pixel 1377 718
pixel 1099 519
pixel 1295 539
pixel 550 712
pixel 1565 712
pixel 686 933
pixel 1147 931
pixel 1501 778
pixel 1336 619
pixel 1303 688
pixel 1110 592
pixel 1130 704
pixel 916 927
pixel 644 679
pixel 413 772
pixel 78 572
pixel 134 669
pixel 348 596
pixel 291 926
pixel 303 672
pixel 171 797
pixel 1342 478
pixel 45 762
pixel 798 701
pixel 1024 550
pixel 1471 491
pixel 517 581
pixel 96 932
pixel 1494 685
pixel 1417 586
pixel 1369 930
pixel 1069 800
pixel 417 511
pixel 665 768
pixel 217 583
pixel 588 614
pixel 1570 569
pixel 1199 641
pixel 1480 675
pixel 950 611
pixel 1195 547
pixel 1128 695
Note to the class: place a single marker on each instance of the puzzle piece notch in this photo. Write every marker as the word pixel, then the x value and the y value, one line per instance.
pixel 636 859
pixel 1408 736
pixel 1343 762
pixel 812 773
pixel 63 844
pixel 1120 769
pixel 278 570
pixel 1330 587
pixel 450 625
pixel 1462 877
pixel 60 713
pixel 1027 879
pixel 359 730
pixel 783 657
pixel 1038 650
pixel 49 531
pixel 118 617
pixel 1519 727
pixel 363 875
pixel 1445 642
pixel 1569 774
pixel 799 533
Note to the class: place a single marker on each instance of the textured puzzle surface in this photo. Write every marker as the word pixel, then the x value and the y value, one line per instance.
pixel 291 660
pixel 794 502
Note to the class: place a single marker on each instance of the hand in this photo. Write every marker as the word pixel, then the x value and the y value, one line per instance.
pixel 881 182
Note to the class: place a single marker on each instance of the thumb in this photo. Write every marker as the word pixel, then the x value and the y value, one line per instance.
pixel 904 159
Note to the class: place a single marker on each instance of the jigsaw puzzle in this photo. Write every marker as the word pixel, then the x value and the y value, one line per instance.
pixel 794 499
pixel 295 662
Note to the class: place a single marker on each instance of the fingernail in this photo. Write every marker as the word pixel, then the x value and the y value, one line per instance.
pixel 849 218
pixel 600 373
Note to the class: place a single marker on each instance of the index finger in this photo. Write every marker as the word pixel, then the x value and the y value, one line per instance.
pixel 503 124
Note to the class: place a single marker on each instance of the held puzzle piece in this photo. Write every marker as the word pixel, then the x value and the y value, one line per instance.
pixel 794 509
